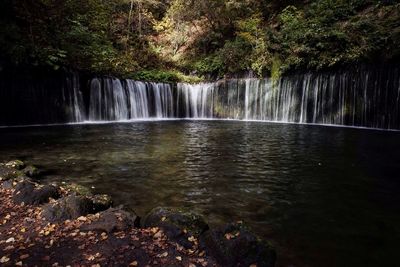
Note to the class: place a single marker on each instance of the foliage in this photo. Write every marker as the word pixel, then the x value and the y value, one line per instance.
pixel 161 40
pixel 337 32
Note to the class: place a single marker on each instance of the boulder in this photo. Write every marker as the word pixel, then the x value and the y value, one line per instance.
pixel 101 202
pixel 71 207
pixel 15 164
pixel 7 184
pixel 31 171
pixel 179 225
pixel 235 245
pixel 30 193
pixel 8 173
pixel 78 189
pixel 113 219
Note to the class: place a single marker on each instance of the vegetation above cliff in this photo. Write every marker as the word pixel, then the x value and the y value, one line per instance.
pixel 161 40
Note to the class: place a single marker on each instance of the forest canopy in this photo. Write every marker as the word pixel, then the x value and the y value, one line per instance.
pixel 168 40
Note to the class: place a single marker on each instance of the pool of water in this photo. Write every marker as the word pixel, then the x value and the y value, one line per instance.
pixel 325 196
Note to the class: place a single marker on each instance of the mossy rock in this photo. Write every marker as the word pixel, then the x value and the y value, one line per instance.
pixel 178 224
pixel 9 173
pixel 31 171
pixel 78 189
pixel 16 164
pixel 30 193
pixel 235 245
pixel 101 202
pixel 72 207
pixel 113 219
pixel 67 208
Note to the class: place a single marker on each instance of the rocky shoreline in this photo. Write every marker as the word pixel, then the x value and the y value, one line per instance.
pixel 67 225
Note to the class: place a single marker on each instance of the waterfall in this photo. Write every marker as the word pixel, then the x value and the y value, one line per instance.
pixel 362 96
pixel 115 100
pixel 365 97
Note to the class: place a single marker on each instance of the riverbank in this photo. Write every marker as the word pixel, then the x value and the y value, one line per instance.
pixel 66 225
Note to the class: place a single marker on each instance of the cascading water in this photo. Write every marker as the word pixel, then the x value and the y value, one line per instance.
pixel 115 100
pixel 366 97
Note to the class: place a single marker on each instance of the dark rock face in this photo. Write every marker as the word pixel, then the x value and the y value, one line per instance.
pixel 178 225
pixel 30 193
pixel 71 207
pixel 113 219
pixel 234 245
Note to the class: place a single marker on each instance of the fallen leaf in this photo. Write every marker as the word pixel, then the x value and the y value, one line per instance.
pixel 11 239
pixel 133 263
pixel 25 256
pixel 158 235
pixel 163 255
pixel 18 263
pixel 82 218
pixel 91 257
pixel 229 236
pixel 4 259
pixel 179 258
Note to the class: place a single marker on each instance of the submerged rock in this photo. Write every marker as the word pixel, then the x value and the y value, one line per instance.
pixel 179 225
pixel 235 245
pixel 72 207
pixel 113 219
pixel 30 193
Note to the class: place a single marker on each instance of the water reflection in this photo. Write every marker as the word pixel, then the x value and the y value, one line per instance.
pixel 320 193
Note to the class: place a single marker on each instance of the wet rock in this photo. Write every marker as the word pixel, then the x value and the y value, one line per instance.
pixel 31 171
pixel 30 193
pixel 7 184
pixel 8 173
pixel 179 225
pixel 113 219
pixel 67 208
pixel 71 207
pixel 101 202
pixel 235 245
pixel 15 164
pixel 78 189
